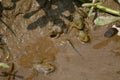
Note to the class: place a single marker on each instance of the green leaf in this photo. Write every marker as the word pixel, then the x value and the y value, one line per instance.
pixel 4 65
pixel 104 20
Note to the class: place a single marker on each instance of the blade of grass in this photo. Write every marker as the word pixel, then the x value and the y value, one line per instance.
pixel 91 9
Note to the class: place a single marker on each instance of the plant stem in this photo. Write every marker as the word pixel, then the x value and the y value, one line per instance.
pixel 91 9
pixel 108 10
pixel 91 4
pixel 105 9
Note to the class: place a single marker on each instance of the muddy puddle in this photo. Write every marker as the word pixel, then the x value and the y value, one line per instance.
pixel 36 52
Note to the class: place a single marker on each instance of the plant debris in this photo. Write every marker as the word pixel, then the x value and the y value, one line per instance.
pixel 104 20
pixel 110 32
pixel 4 65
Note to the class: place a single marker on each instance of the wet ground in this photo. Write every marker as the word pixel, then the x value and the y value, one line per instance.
pixel 31 44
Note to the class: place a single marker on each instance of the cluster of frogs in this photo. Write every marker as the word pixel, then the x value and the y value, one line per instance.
pixel 77 22
pixel 56 31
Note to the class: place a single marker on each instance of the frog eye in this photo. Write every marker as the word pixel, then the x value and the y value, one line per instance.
pixel 110 32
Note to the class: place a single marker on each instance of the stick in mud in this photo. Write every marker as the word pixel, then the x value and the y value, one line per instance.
pixel 74 48
pixel 8 27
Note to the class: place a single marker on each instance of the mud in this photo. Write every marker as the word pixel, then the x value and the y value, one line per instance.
pixel 30 42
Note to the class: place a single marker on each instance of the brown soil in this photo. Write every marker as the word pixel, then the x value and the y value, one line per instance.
pixel 98 59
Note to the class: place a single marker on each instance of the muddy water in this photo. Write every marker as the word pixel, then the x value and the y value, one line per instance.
pixel 100 57
pixel 43 49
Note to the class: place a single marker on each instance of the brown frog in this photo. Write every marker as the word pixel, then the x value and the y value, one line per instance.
pixel 83 36
pixel 44 67
pixel 78 20
pixel 79 23
pixel 58 28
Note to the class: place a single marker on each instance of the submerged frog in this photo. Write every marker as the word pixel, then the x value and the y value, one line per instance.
pixel 83 36
pixel 78 19
pixel 56 31
pixel 58 28
pixel 79 23
pixel 45 68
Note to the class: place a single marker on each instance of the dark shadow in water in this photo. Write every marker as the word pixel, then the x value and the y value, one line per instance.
pixel 51 15
pixel 12 7
pixel 102 44
pixel 7 8
pixel 115 39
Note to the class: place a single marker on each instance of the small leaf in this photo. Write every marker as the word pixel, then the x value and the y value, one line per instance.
pixel 104 20
pixel 4 65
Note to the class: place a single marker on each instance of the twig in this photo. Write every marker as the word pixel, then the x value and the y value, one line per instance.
pixel 8 27
pixel 74 48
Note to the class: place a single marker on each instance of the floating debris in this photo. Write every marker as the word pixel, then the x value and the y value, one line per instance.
pixel 110 32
